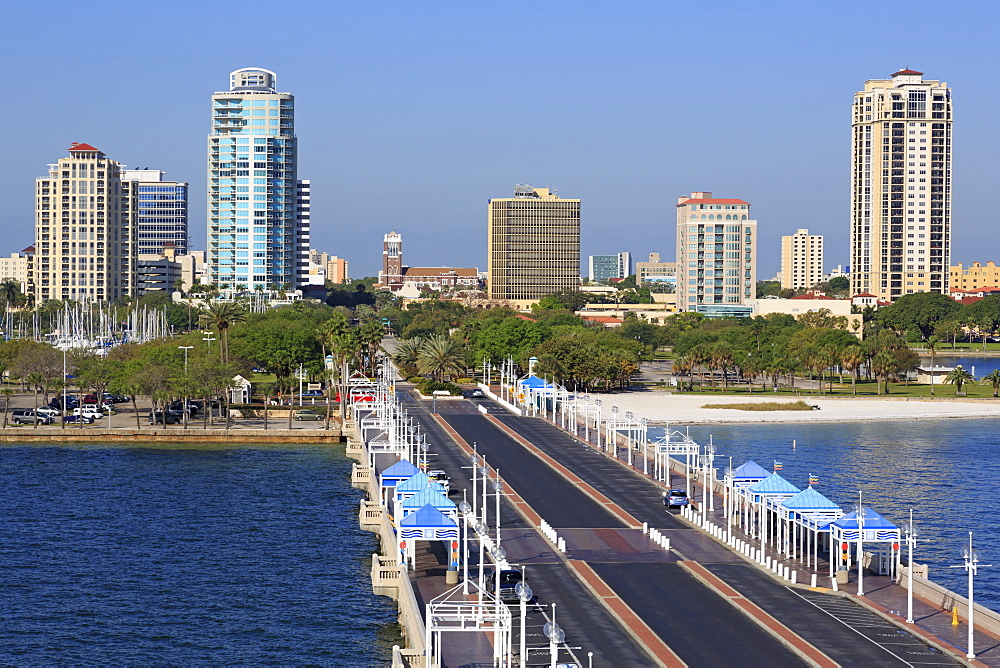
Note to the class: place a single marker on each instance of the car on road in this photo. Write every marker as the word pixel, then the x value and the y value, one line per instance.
pixel 157 417
pixel 509 578
pixel 441 478
pixel 30 417
pixel 300 416
pixel 477 394
pixel 78 418
pixel 675 498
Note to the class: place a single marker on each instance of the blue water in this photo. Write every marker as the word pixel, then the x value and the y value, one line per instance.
pixel 185 555
pixel 946 470
pixel 979 366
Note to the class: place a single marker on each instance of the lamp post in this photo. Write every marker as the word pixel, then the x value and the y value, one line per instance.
pixel 910 531
pixel 971 565
pixel 465 509
pixel 710 474
pixel 497 491
pixel 485 473
pixel 555 635
pixel 481 532
pixel 65 408
pixel 208 337
pixel 597 425
pixel 644 424
pixel 730 472
pixel 611 436
pixel 474 460
pixel 861 540
pixel 499 560
pixel 185 349
pixel 524 594
pixel 586 418
pixel 629 415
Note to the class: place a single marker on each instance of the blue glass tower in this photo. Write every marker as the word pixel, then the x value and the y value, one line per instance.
pixel 255 236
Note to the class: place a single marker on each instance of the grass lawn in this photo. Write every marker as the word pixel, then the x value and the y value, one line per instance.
pixel 766 406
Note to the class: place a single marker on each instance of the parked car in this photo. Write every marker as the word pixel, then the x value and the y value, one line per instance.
pixel 71 401
pixel 313 393
pixel 48 410
pixel 158 417
pixel 78 418
pixel 93 412
pixel 441 478
pixel 675 498
pixel 30 417
pixel 300 416
pixel 509 578
pixel 178 408
pixel 477 394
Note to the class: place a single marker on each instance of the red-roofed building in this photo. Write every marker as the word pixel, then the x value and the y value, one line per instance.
pixel 76 146
pixel 813 295
pixel 604 320
pixel 395 276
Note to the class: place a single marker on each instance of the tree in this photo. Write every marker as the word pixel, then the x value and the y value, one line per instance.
pixel 948 330
pixel 932 346
pixel 340 342
pixel 920 310
pixel 993 378
pixel 768 289
pixel 441 356
pixel 572 300
pixel 221 316
pixel 959 376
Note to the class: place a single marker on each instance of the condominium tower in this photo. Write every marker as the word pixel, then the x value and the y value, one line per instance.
pixel 85 229
pixel 901 186
pixel 605 267
pixel 533 245
pixel 716 253
pixel 257 233
pixel 162 214
pixel 801 260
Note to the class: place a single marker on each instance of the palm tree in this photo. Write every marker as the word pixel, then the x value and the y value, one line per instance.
pixel 932 345
pixel 959 376
pixel 993 378
pixel 340 340
pixel 851 359
pixel 440 356
pixel 407 353
pixel 221 316
pixel 10 292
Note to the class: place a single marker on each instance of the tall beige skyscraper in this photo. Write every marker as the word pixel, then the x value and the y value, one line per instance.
pixel 85 229
pixel 801 260
pixel 534 244
pixel 716 254
pixel 901 186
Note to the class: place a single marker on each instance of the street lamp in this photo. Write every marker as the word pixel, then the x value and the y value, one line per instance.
pixel 498 490
pixel 465 509
pixel 971 566
pixel 481 532
pixel 185 349
pixel 629 415
pixel 208 337
pixel 860 511
pixel 586 418
pixel 910 530
pixel 644 424
pixel 597 425
pixel 709 475
pixel 612 436
pixel 555 635
pixel 525 595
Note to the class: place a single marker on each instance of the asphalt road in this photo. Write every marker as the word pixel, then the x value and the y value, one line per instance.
pixel 684 613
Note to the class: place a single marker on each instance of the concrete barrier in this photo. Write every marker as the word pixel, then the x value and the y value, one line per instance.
pixel 986 619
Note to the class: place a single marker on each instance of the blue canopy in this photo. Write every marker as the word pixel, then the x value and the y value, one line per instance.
pixel 809 499
pixel 751 470
pixel 416 482
pixel 534 382
pixel 429 497
pixel 869 517
pixel 773 484
pixel 401 470
pixel 428 523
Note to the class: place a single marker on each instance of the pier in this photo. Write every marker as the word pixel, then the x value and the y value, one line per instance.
pixel 632 583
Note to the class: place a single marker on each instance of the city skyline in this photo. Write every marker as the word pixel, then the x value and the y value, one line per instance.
pixel 395 103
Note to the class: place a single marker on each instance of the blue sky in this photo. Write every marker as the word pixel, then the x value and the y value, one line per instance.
pixel 411 115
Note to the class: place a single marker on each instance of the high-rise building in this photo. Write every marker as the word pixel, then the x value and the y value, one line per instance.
pixel 162 214
pixel 662 275
pixel 716 253
pixel 533 245
pixel 85 230
pixel 605 267
pixel 801 260
pixel 901 186
pixel 255 201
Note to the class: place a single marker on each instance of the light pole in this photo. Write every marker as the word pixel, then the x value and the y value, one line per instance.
pixel 611 437
pixel 597 425
pixel 971 565
pixel 185 349
pixel 498 490
pixel 644 423
pixel 911 538
pixel 465 509
pixel 208 337
pixel 64 407
pixel 481 532
pixel 586 418
pixel 709 478
pixel 524 593
pixel 499 560
pixel 629 415
pixel 555 635
pixel 861 541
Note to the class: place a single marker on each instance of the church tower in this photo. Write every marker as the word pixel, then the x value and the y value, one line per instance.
pixel 392 260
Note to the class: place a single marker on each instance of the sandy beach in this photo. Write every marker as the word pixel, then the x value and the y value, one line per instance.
pixel 666 408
